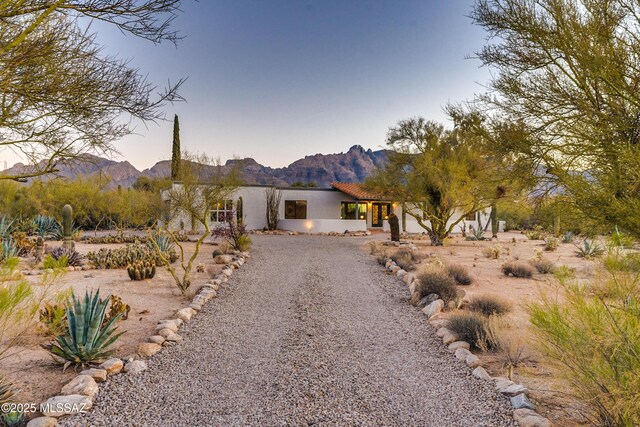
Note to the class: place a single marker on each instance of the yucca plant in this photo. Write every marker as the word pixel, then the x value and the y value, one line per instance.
pixel 589 249
pixel 87 339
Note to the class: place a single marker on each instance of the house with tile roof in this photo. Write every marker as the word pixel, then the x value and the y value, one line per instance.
pixel 341 207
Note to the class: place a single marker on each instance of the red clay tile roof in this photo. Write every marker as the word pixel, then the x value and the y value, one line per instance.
pixel 356 191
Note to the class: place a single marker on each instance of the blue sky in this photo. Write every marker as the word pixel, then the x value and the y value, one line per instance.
pixel 277 80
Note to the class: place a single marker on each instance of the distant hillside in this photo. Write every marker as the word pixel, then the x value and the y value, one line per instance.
pixel 353 166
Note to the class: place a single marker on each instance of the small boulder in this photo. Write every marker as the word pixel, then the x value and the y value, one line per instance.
pixel 442 332
pixel 520 401
pixel 529 418
pixel 112 366
pixel 434 308
pixel 481 373
pixel 401 273
pixel 166 332
pixel 43 422
pixel 173 337
pixel 84 385
pixel 135 367
pixel 185 314
pixel 58 406
pixel 449 338
pixel 171 326
pixel 227 272
pixel 456 345
pixel 222 259
pixel 513 390
pixel 472 361
pixel 462 353
pixel 99 375
pixel 156 339
pixel 148 349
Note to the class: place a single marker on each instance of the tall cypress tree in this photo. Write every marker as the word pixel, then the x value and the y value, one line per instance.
pixel 175 155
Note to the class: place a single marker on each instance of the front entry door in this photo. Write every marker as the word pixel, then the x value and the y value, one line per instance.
pixel 379 212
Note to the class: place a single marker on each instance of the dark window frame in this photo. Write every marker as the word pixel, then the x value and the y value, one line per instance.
pixel 295 209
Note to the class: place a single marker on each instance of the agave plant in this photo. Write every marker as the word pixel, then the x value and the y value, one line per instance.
pixel 14 419
pixel 6 226
pixel 8 249
pixel 589 249
pixel 88 339
pixel 46 226
pixel 73 257
pixel 165 245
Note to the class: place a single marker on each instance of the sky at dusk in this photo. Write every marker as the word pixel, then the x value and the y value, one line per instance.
pixel 277 80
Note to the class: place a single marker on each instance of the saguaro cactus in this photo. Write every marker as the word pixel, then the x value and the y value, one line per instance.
pixel 39 253
pixel 67 227
pixel 394 224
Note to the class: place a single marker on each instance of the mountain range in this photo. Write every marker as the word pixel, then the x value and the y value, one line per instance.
pixel 320 169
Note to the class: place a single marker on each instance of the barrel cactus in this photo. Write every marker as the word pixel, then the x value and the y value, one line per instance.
pixel 141 270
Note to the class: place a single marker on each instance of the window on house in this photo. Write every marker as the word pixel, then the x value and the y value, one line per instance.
pixel 221 211
pixel 295 209
pixel 348 210
pixel 471 217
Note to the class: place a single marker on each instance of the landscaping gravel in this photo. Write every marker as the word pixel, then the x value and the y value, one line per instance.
pixel 310 331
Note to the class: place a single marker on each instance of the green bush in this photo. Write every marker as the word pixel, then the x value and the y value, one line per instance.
pixel 616 261
pixel 517 269
pixel 50 262
pixel 459 273
pixel 543 265
pixel 437 282
pixel 594 335
pixel 489 305
pixel 551 244
pixel 475 329
pixel 536 233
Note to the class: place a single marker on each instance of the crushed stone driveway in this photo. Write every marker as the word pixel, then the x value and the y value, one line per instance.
pixel 310 331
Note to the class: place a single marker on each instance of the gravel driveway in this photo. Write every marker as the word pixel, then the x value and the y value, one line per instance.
pixel 309 332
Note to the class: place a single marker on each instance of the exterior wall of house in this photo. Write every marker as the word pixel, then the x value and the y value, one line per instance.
pixel 323 212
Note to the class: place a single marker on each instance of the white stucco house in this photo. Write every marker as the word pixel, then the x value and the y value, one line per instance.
pixel 341 207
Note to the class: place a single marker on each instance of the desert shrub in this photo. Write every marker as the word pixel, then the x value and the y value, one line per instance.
pixel 589 249
pixel 563 273
pixel 616 261
pixel 87 339
pixel 73 257
pixel 53 317
pixel 543 265
pixel 405 259
pixel 517 269
pixel 460 274
pixel 620 240
pixel 437 282
pixel 117 310
pixel 23 243
pixel 8 249
pixel 536 233
pixel 234 233
pixel 475 329
pixel 382 260
pixel 492 252
pixel 50 262
pixel 489 305
pixel 595 338
pixel 551 244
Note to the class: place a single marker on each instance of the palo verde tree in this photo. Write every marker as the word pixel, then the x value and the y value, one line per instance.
pixel 60 95
pixel 434 173
pixel 568 71
pixel 175 152
pixel 203 186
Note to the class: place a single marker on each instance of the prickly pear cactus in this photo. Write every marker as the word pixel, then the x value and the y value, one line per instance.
pixel 394 225
pixel 67 227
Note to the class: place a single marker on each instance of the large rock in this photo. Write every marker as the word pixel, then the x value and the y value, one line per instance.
pixel 428 300
pixel 166 325
pixel 521 401
pixel 99 375
pixel 58 406
pixel 148 349
pixel 222 259
pixel 528 418
pixel 473 361
pixel 84 385
pixel 433 308
pixel 449 338
pixel 156 339
pixel 135 367
pixel 442 332
pixel 227 272
pixel 43 422
pixel 112 366
pixel 462 353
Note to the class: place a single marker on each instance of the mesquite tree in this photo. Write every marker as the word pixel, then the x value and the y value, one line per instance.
pixel 62 97
pixel 435 173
